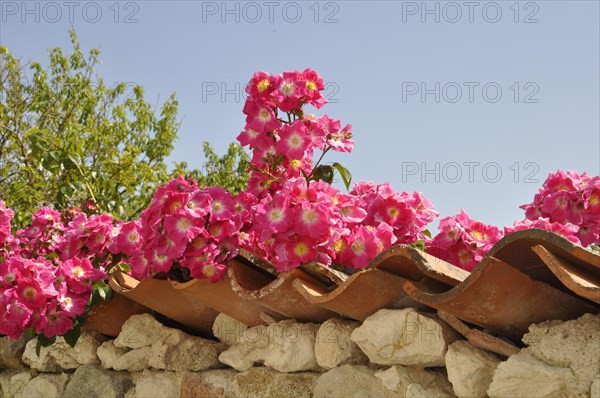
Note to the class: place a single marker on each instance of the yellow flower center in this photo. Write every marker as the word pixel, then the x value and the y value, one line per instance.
pixel 275 215
pixel 287 88
pixel 295 141
pixel 215 229
pixel 183 224
pixel 29 293
pixel 464 256
pixel 295 163
pixel 262 85
pixel 132 237
pixel 358 246
pixel 78 272
pixel 311 86
pixel 339 246
pixel 309 216
pixel 300 249
pixel 209 271
pixel 264 114
pixel 198 242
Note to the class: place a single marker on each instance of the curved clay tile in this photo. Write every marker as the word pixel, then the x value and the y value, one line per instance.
pixel 360 296
pixel 278 298
pixel 108 317
pixel 516 250
pixel 160 296
pixel 499 297
pixel 221 297
pixel 380 284
pixel 414 264
pixel 479 338
pixel 577 279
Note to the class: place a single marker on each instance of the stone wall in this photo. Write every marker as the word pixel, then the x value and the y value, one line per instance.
pixel 393 353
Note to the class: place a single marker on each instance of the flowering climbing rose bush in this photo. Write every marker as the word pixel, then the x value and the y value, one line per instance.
pixel 568 204
pixel 290 214
pixel 568 199
pixel 463 241
pixel 281 136
pixel 300 217
pixel 193 228
pixel 316 222
pixel 47 274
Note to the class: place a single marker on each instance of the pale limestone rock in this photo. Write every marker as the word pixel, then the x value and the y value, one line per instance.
pixel 195 354
pixel 348 381
pixel 249 349
pixel 522 375
pixel 5 377
pixel 595 387
pixel 227 329
pixel 403 337
pixel 157 346
pixel 415 390
pixel 91 381
pixel 12 382
pixel 572 344
pixel 291 347
pixel 157 384
pixel 333 346
pixel 140 331
pixel 44 386
pixel 183 352
pixel 60 356
pixel 285 346
pixel 11 352
pixel 470 369
pixel 130 393
pixel 239 358
pixel 398 378
pixel 108 353
pixel 211 383
pixel 268 383
pixel 133 361
pixel 159 355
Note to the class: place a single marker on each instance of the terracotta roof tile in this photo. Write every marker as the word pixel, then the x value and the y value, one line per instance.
pixel 529 276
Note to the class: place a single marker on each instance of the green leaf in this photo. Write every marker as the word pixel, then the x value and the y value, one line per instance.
pixel 420 244
pixel 427 233
pixel 43 341
pixel 125 268
pixel 344 173
pixel 72 335
pixel 323 173
pixel 95 299
pixel 51 256
pixel 30 331
pixel 75 159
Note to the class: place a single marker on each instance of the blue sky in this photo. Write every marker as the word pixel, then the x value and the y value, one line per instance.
pixel 472 103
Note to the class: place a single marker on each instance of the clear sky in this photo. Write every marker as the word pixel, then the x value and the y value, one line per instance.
pixel 472 103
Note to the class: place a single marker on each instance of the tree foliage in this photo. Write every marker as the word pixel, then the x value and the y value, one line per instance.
pixel 66 137
pixel 229 170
